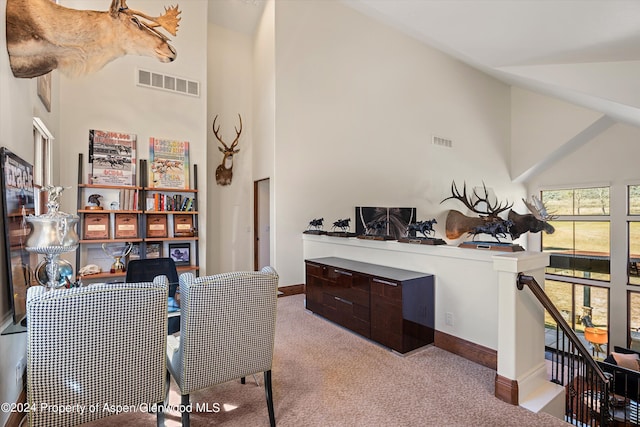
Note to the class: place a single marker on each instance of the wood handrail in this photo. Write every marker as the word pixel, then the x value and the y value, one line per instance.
pixel 543 298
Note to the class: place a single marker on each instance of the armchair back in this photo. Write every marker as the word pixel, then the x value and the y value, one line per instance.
pixel 103 344
pixel 227 327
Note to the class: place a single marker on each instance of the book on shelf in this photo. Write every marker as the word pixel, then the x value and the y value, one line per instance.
pixel 112 156
pixel 169 163
pixel 161 202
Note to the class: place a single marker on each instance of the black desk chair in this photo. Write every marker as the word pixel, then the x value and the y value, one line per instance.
pixel 145 270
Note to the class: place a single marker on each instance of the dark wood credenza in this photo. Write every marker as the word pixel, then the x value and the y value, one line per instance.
pixel 391 306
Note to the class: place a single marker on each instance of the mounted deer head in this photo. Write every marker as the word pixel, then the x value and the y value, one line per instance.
pixel 224 172
pixel 44 36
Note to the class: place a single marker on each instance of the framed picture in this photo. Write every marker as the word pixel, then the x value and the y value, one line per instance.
pixel 113 157
pixel 169 163
pixel 180 253
pixel 153 250
pixel 44 90
pixel 18 202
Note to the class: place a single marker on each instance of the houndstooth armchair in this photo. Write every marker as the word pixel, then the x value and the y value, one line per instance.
pixel 227 331
pixel 94 346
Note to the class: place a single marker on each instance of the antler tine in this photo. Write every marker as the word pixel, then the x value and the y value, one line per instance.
pixel 169 20
pixel 455 194
pixel 496 208
pixel 238 132
pixel 538 209
pixel 215 132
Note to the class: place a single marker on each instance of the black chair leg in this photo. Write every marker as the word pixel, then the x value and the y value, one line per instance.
pixel 167 386
pixel 160 414
pixel 243 380
pixel 162 405
pixel 269 392
pixel 185 412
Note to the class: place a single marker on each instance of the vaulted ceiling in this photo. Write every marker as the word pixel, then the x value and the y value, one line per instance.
pixel 583 51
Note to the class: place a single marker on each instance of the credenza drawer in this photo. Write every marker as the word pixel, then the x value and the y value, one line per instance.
pixel 391 306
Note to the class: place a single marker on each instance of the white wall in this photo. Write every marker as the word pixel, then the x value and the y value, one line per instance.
pixel 230 77
pixel 540 126
pixel 110 100
pixel 357 103
pixel 264 107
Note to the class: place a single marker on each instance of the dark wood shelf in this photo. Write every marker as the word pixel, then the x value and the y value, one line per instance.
pixel 390 306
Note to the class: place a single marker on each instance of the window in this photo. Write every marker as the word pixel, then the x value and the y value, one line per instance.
pixel 580 246
pixel 580 262
pixel 43 141
pixel 633 310
pixel 633 234
pixel 586 310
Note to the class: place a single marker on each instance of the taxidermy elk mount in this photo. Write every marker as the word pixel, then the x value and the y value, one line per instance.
pixel 224 172
pixel 489 221
pixel 43 36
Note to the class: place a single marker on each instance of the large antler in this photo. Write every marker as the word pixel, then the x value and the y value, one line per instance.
pixel 235 141
pixel 169 20
pixel 491 210
pixel 538 209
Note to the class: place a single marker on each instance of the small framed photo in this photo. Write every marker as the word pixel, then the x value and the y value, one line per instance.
pixel 153 250
pixel 180 253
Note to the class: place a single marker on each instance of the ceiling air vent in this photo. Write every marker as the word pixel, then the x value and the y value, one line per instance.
pixel 168 83
pixel 441 142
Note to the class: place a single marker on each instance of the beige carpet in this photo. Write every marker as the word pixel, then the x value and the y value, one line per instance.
pixel 324 375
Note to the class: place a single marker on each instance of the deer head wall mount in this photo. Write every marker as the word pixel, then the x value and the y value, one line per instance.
pixel 224 172
pixel 43 36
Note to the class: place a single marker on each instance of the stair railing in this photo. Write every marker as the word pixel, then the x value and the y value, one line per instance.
pixel 588 388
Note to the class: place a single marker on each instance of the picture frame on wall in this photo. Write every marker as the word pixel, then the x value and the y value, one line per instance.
pixel 18 202
pixel 44 90
pixel 153 250
pixel 180 253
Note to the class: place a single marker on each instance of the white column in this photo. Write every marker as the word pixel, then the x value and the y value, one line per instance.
pixel 521 334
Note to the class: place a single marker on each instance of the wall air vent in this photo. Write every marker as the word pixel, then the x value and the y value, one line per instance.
pixel 167 82
pixel 441 142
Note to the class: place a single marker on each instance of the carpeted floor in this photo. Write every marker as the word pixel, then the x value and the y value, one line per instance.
pixel 324 375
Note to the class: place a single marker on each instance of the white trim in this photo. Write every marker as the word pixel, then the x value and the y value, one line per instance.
pixel 42 128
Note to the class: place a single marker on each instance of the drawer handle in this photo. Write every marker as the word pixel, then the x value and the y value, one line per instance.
pixel 384 282
pixel 343 300
pixel 346 273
